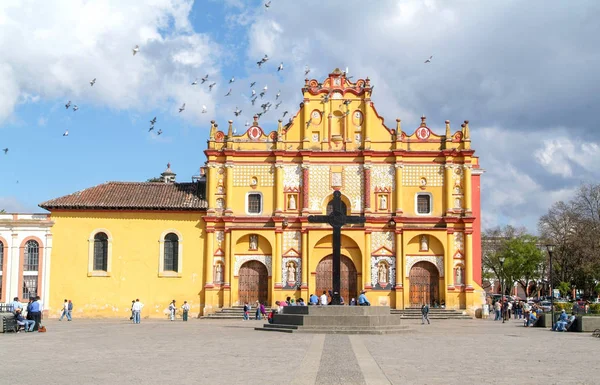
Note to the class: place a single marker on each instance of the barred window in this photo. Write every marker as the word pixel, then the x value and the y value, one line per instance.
pixel 101 252
pixel 254 203
pixel 32 256
pixel 423 204
pixel 171 252
pixel 30 288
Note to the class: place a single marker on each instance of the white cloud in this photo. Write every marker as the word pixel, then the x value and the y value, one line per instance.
pixel 558 155
pixel 56 48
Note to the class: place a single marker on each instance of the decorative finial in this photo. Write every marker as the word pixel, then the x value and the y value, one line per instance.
pixel 448 134
pixel 255 123
pixel 168 165
pixel 423 120
pixel 466 133
pixel 213 130
pixel 398 126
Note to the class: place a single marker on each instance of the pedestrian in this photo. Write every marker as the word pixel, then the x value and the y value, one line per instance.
pixel 29 316
pixel 70 313
pixel 324 298
pixel 131 318
pixel 137 310
pixel 425 314
pixel 498 309
pixel 35 310
pixel 172 309
pixel 263 311
pixel 65 311
pixel 353 302
pixel 185 308
pixel 247 311
pixel 485 313
pixel 257 313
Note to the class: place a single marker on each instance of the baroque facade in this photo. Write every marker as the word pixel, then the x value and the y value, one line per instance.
pixel 247 234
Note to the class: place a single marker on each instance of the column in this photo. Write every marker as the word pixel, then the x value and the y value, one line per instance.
pixel 347 126
pixel 367 261
pixel 399 260
pixel 229 260
pixel 208 260
pixel 366 124
pixel 277 259
pixel 449 261
pixel 305 188
pixel 398 187
pixel 46 271
pixel 304 259
pixel 210 186
pixel 467 191
pixel 278 188
pixel 13 270
pixel 468 259
pixel 306 116
pixel 367 171
pixel 448 187
pixel 229 188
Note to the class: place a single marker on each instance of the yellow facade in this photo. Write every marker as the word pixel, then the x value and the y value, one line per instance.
pixel 419 193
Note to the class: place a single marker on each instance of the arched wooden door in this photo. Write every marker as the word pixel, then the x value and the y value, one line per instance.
pixel 253 283
pixel 424 284
pixel 348 277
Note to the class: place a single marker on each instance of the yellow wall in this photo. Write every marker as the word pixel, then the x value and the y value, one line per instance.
pixel 135 263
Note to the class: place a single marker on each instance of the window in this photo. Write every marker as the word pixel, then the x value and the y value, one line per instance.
pixel 30 283
pixel 423 204
pixel 101 252
pixel 32 256
pixel 254 203
pixel 171 252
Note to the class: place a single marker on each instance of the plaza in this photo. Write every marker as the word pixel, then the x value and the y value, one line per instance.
pixel 108 351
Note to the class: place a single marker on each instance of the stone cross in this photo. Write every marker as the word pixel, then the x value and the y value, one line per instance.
pixel 336 219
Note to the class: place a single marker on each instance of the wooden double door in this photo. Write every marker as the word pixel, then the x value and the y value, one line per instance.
pixel 253 283
pixel 348 277
pixel 424 284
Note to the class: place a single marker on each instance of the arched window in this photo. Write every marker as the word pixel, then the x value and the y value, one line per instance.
pixel 171 252
pixel 32 256
pixel 101 252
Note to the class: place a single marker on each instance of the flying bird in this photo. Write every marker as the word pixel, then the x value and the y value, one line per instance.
pixel 203 109
pixel 309 122
pixel 66 133
pixel 265 88
pixel 232 80
pixel 237 111
pixel 195 82
pixel 182 108
pixel 252 84
pixel 210 86
pixel 278 93
pixel 204 79
pixel 262 61
pixel 68 105
pixel 267 4
pixel 75 108
pixel 93 82
pixel 306 70
pixel 277 105
pixel 247 123
pixel 159 132
pixel 284 113
pixel 429 60
pixel 262 94
pixel 151 128
pixel 136 49
pixel 280 67
pixel 253 93
pixel 228 92
pixel 153 121
pixel 5 150
pixel 253 100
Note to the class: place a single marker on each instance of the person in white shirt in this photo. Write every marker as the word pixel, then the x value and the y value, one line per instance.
pixel 65 311
pixel 16 304
pixel 137 309
pixel 172 309
pixel 186 308
pixel 323 299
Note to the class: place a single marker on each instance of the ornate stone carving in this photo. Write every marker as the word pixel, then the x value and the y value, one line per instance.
pixel 291 266
pixel 354 185
pixel 319 185
pixel 219 236
pixel 292 240
pixel 376 273
pixel 242 175
pixel 459 241
pixel 383 177
pixel 438 261
pixel 412 174
pixel 241 259
pixel 381 239
pixel 292 176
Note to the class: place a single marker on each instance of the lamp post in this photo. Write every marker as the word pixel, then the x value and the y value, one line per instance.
pixel 550 248
pixel 502 288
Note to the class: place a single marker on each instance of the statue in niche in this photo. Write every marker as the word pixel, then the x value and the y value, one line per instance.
pixel 220 203
pixel 291 272
pixel 253 242
pixel 218 272
pixel 383 202
pixel 292 202
pixel 457 203
pixel 220 182
pixel 457 189
pixel 382 274
pixel 424 243
pixel 459 276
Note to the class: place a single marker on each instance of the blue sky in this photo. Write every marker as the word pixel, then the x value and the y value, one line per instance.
pixel 524 75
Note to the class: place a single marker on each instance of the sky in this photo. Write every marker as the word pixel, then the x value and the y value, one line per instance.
pixel 525 74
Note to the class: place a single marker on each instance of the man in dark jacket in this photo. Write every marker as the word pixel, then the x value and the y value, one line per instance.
pixel 425 314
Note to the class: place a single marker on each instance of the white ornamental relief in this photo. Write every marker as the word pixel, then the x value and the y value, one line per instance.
pixel 319 185
pixel 243 175
pixel 438 261
pixel 292 240
pixel 241 259
pixel 292 176
pixel 381 239
pixel 376 274
pixel 354 185
pixel 383 177
pixel 413 174
pixel 220 236
pixel 291 272
pixel 459 242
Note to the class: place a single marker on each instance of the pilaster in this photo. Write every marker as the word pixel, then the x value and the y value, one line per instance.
pixel 399 270
pixel 277 259
pixel 278 188
pixel 399 188
pixel 469 260
pixel 367 177
pixel 468 186
pixel 305 188
pixel 229 188
pixel 366 275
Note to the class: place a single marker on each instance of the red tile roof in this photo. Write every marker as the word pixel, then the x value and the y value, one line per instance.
pixel 132 196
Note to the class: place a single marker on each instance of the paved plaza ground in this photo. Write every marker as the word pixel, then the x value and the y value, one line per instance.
pixel 231 352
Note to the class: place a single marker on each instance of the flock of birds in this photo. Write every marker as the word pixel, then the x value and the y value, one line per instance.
pixel 265 107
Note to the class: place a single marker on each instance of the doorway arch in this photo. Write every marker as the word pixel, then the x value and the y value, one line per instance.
pixel 348 277
pixel 424 284
pixel 253 283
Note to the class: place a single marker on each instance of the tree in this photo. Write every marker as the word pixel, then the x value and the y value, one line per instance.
pixel 2 211
pixel 563 288
pixel 155 179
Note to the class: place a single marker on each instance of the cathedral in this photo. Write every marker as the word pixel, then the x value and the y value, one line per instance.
pixel 239 232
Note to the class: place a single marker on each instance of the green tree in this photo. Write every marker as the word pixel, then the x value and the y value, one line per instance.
pixel 522 261
pixel 155 179
pixel 2 211
pixel 564 288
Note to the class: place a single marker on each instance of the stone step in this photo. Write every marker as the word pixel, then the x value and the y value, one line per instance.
pixel 334 329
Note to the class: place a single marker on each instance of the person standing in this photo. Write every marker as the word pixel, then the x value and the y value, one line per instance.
pixel 425 314
pixel 323 298
pixel 257 313
pixel 247 311
pixel 486 311
pixel 131 318
pixel 137 310
pixel 186 309
pixel 172 308
pixel 65 311
pixel 36 313
pixel 70 313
